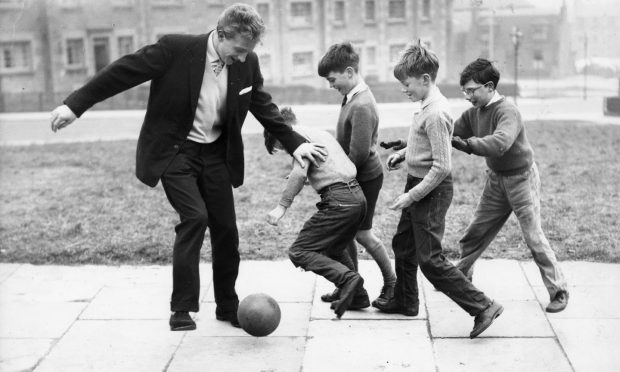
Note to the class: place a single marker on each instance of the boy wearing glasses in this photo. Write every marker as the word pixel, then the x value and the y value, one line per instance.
pixel 493 128
pixel 426 199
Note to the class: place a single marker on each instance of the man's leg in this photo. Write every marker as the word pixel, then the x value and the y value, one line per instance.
pixel 491 213
pixel 524 195
pixel 181 187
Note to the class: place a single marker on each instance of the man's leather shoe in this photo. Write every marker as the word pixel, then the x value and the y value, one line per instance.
pixel 387 293
pixel 360 300
pixel 393 307
pixel 181 321
pixel 347 292
pixel 485 318
pixel 559 302
pixel 331 297
pixel 229 317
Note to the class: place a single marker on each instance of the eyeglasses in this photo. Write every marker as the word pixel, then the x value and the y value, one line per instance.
pixel 470 91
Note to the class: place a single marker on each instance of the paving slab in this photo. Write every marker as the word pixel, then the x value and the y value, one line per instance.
pixel 130 302
pixel 589 343
pixel 236 354
pixel 20 318
pixel 120 345
pixel 368 345
pixel 152 275
pixel 279 279
pixel 578 273
pixel 519 319
pixel 500 354
pixel 22 354
pixel 294 322
pixel 589 302
pixel 7 269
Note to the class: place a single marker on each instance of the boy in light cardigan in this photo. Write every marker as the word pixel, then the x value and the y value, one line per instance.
pixel 427 197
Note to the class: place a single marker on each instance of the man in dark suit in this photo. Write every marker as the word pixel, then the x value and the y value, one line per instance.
pixel 202 87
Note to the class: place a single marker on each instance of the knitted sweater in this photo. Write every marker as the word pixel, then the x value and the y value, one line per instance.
pixel 428 152
pixel 357 131
pixel 497 132
pixel 336 168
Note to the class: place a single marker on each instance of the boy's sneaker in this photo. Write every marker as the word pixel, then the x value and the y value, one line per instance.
pixel 559 303
pixel 387 293
pixel 331 297
pixel 393 307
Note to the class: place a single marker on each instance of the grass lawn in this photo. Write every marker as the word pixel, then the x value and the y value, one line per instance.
pixel 81 203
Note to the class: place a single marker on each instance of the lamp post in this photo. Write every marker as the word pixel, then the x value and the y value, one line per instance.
pixel 515 36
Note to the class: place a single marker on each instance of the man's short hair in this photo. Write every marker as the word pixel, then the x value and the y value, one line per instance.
pixel 415 61
pixel 241 19
pixel 290 119
pixel 338 58
pixel 480 71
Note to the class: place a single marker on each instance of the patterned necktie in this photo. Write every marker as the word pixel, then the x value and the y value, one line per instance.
pixel 344 101
pixel 217 66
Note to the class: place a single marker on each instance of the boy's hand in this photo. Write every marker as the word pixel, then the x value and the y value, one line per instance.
pixel 312 151
pixel 396 145
pixel 401 202
pixel 61 116
pixel 275 215
pixel 461 144
pixel 394 161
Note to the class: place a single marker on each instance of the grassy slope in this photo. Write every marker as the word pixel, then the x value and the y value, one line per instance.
pixel 80 203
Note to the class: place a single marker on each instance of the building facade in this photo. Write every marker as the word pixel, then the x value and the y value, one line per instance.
pixel 50 47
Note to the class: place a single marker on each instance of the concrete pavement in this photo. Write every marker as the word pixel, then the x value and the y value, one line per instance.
pixel 102 318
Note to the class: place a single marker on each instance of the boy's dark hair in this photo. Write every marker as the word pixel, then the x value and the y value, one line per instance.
pixel 338 58
pixel 416 60
pixel 481 71
pixel 289 119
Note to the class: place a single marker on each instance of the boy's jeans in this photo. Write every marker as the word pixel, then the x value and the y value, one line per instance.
pixel 501 196
pixel 418 242
pixel 320 245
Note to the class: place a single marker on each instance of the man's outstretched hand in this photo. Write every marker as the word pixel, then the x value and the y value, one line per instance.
pixel 314 152
pixel 61 116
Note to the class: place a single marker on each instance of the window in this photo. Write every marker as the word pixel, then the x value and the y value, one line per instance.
pixel 16 56
pixel 426 10
pixel 538 61
pixel 301 13
pixel 263 10
pixel 339 12
pixel 539 32
pixel 75 53
pixel 302 64
pixel 125 45
pixel 69 3
pixel 11 4
pixel 395 51
pixel 396 9
pixel 123 3
pixel 265 66
pixel 163 3
pixel 369 11
pixel 371 56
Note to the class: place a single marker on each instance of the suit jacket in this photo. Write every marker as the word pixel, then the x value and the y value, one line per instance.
pixel 175 65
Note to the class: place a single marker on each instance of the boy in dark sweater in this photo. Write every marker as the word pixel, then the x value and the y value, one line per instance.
pixel 493 128
pixel 356 131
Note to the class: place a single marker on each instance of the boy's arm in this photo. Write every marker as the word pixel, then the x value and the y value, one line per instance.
pixel 294 184
pixel 362 124
pixel 494 145
pixel 462 131
pixel 439 136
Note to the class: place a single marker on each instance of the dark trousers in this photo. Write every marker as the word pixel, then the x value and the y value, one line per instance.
pixel 198 187
pixel 320 245
pixel 418 242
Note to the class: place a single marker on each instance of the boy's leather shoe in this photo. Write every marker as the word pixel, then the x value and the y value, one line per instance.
pixel 331 297
pixel 559 303
pixel 181 321
pixel 347 292
pixel 229 317
pixel 387 293
pixel 485 318
pixel 393 307
pixel 360 301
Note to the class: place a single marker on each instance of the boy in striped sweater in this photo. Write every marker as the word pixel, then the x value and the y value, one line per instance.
pixel 427 197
